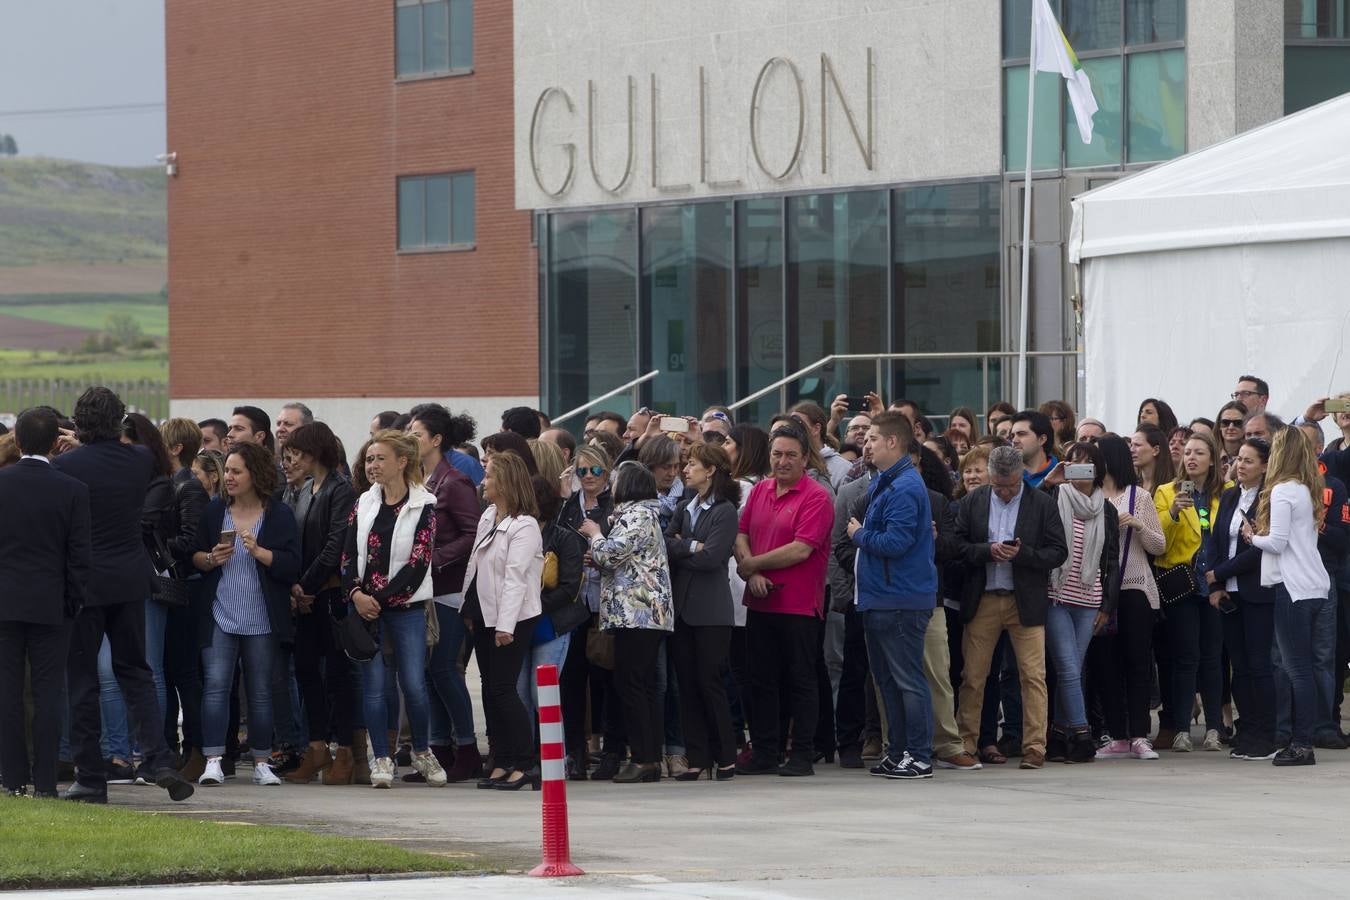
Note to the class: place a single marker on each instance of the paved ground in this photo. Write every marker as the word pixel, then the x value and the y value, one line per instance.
pixel 1199 823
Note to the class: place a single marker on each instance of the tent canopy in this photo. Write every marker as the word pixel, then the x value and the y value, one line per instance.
pixel 1231 260
pixel 1286 181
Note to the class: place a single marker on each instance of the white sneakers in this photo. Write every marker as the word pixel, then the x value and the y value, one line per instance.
pixel 1212 742
pixel 212 775
pixel 429 768
pixel 263 776
pixel 382 772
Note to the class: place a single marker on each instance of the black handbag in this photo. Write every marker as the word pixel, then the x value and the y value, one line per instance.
pixel 166 590
pixel 1177 583
pixel 356 637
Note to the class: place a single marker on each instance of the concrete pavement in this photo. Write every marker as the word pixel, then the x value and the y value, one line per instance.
pixel 1198 822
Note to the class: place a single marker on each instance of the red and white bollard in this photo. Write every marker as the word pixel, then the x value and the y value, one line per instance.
pixel 553 771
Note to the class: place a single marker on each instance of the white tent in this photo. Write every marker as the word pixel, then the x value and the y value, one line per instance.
pixel 1231 260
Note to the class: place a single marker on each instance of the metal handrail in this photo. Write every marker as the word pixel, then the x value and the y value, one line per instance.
pixel 627 386
pixel 879 358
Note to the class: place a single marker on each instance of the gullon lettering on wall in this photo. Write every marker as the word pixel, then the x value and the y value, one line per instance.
pixel 557 113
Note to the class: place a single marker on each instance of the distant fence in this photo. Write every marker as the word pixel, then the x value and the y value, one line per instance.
pixel 17 394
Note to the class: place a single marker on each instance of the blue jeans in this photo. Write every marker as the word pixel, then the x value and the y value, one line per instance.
pixel 1068 631
pixel 451 706
pixel 218 662
pixel 156 622
pixel 1196 638
pixel 116 741
pixel 895 653
pixel 1296 626
pixel 403 634
pixel 1324 665
pixel 549 654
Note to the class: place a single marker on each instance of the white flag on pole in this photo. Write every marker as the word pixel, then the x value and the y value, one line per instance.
pixel 1053 54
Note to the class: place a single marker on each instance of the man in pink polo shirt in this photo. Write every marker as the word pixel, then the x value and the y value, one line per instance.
pixel 781 553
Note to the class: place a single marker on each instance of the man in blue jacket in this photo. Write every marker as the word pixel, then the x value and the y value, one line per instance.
pixel 897 589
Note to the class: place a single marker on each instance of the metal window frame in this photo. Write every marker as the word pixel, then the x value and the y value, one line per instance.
pixel 422 73
pixel 424 247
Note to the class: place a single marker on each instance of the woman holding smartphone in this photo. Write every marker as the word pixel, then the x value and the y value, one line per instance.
pixel 248 546
pixel 1288 514
pixel 1188 507
pixel 1247 608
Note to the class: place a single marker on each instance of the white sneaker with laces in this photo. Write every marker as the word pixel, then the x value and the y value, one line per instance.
pixel 382 773
pixel 212 775
pixel 263 776
pixel 1212 741
pixel 1182 743
pixel 429 768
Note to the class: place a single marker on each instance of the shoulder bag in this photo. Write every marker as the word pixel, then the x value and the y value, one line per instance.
pixel 1181 581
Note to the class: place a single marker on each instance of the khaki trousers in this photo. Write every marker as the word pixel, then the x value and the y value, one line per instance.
pixel 937 663
pixel 996 614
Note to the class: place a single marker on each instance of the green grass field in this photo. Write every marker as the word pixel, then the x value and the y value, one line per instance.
pixel 50 844
pixel 150 365
pixel 150 311
pixel 62 211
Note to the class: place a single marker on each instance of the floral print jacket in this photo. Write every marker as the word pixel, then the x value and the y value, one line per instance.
pixel 634 573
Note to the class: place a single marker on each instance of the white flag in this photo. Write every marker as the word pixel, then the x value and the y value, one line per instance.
pixel 1053 54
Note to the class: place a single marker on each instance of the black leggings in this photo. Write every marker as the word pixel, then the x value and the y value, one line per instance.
pixel 509 726
pixel 1128 678
pixel 322 672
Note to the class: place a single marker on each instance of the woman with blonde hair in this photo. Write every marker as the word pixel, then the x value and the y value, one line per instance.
pixel 550 461
pixel 502 607
pixel 974 470
pixel 1288 514
pixel 387 581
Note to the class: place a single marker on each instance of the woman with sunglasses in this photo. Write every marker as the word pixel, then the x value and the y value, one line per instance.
pixel 1228 425
pixel 209 469
pixel 595 503
pixel 1188 507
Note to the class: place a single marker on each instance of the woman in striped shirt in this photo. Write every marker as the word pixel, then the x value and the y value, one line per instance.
pixel 249 549
pixel 1083 593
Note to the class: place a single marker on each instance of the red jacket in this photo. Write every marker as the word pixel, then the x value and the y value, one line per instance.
pixel 456 524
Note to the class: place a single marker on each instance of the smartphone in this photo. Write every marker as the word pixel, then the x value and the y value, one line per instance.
pixel 674 425
pixel 227 536
pixel 1008 543
pixel 858 405
pixel 1080 472
pixel 1226 605
pixel 1186 487
pixel 1338 405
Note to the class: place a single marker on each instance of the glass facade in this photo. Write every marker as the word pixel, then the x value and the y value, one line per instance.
pixel 1317 52
pixel 727 297
pixel 1134 55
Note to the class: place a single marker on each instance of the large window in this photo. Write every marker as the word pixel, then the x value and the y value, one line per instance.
pixel 433 37
pixel 761 327
pixel 686 289
pixel 836 281
pixel 1317 52
pixel 436 211
pixel 592 313
pixel 1133 54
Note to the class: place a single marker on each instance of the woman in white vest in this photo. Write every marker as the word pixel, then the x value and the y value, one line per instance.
pixel 501 608
pixel 387 567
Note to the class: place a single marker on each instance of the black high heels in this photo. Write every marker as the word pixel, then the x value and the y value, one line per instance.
pixel 491 782
pixel 725 773
pixel 532 778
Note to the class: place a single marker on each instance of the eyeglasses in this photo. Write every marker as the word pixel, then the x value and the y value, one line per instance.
pixel 714 437
pixel 1230 423
pixel 1239 395
pixel 583 471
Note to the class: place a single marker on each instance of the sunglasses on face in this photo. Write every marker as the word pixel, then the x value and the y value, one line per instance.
pixel 583 471
pixel 1230 423
pixel 714 437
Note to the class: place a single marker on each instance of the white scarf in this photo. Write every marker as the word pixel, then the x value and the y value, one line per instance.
pixel 1074 504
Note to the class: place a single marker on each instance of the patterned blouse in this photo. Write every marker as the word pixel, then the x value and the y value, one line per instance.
pixel 397 591
pixel 635 575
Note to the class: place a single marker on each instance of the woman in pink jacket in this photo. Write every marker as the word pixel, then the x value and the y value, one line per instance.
pixel 502 608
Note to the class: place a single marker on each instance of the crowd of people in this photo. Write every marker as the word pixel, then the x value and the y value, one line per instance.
pixel 851 585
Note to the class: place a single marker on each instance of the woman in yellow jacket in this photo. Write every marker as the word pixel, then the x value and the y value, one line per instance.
pixel 1186 508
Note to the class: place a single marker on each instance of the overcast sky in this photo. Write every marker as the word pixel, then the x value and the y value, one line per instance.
pixel 58 54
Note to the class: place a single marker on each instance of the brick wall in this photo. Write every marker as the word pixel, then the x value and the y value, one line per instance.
pixel 284 278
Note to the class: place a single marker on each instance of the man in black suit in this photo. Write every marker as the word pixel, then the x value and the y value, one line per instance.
pixel 117 476
pixel 44 567
pixel 1010 538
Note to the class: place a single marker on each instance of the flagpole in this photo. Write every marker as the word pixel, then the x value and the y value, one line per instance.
pixel 1024 311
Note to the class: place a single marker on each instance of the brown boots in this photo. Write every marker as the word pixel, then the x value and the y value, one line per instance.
pixel 360 757
pixel 312 763
pixel 340 772
pixel 467 764
pixel 193 766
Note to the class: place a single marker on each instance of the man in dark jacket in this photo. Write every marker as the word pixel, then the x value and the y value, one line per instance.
pixel 855 707
pixel 1010 537
pixel 897 591
pixel 117 476
pixel 44 569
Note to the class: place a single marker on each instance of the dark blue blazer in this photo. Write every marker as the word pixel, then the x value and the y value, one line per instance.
pixel 1245 565
pixel 44 543
pixel 280 535
pixel 117 476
